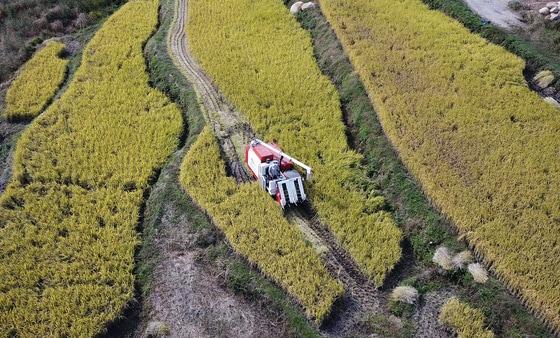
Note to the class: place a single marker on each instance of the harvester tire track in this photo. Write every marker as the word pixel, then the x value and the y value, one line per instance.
pixel 225 122
pixel 361 296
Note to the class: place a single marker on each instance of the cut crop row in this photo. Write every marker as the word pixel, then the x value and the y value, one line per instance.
pixel 68 218
pixel 262 60
pixel 256 228
pixel 37 83
pixel 484 147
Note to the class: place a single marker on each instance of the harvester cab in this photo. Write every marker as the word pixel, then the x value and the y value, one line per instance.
pixel 274 170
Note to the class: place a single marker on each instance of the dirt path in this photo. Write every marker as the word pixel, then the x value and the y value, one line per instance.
pixel 184 268
pixel 186 296
pixel 497 12
pixel 228 125
pixel 361 298
pixel 427 313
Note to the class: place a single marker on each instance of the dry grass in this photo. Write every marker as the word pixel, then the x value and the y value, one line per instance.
pixel 404 294
pixel 462 259
pixel 544 78
pixel 479 273
pixel 442 257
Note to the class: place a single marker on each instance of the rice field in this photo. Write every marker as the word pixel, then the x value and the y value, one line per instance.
pixel 68 218
pixel 483 146
pixel 36 83
pixel 286 98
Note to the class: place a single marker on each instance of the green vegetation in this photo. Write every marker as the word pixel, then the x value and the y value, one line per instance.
pixel 68 218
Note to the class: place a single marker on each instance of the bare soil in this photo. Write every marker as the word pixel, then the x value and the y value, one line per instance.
pixel 188 295
pixel 427 312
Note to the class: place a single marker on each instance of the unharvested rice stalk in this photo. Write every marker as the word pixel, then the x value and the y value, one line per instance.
pixel 262 60
pixel 36 83
pixel 442 257
pixel 479 273
pixel 462 259
pixel 464 320
pixel 68 218
pixel 404 294
pixel 482 144
pixel 256 228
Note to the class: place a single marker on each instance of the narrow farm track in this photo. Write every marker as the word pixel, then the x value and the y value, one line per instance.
pixel 228 125
pixel 361 297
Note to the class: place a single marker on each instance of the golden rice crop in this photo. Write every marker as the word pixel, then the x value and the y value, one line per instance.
pixel 37 83
pixel 256 228
pixel 464 320
pixel 482 144
pixel 67 219
pixel 263 61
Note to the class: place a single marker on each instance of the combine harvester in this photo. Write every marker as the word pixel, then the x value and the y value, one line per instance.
pixel 274 170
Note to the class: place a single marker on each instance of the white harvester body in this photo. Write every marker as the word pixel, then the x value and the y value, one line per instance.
pixel 274 170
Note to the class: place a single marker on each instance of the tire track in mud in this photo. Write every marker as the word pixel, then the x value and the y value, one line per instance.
pixel 361 297
pixel 233 132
